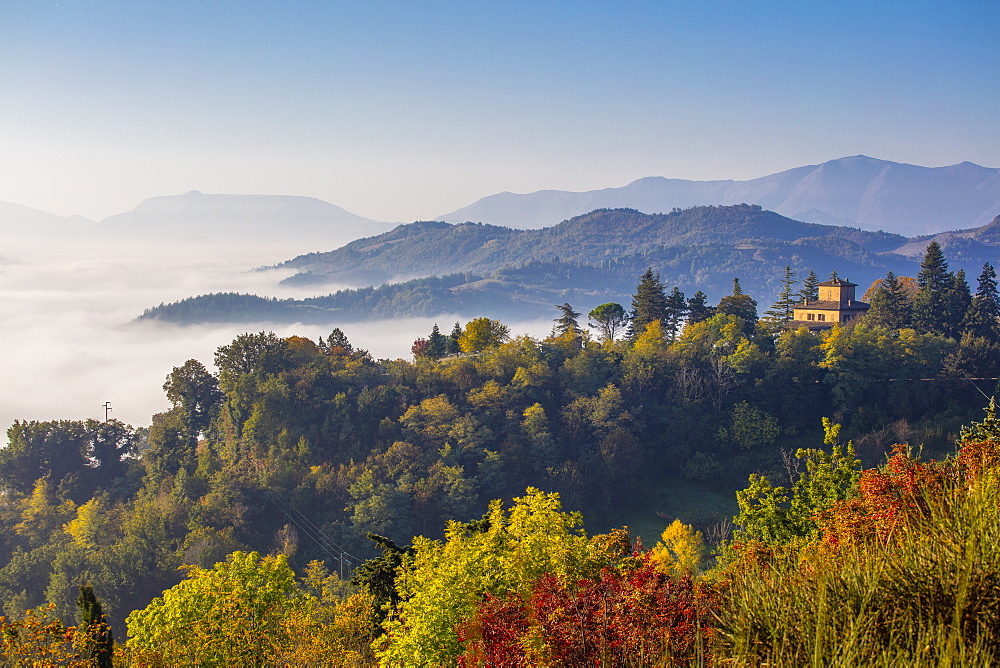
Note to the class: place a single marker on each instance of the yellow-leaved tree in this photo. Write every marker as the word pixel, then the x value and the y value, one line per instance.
pixel 505 552
pixel 679 550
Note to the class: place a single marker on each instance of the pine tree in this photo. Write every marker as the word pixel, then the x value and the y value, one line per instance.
pixel 810 287
pixel 437 343
pixel 958 300
pixel 609 318
pixel 676 308
pixel 648 304
pixel 783 309
pixel 92 619
pixel 568 321
pixel 698 308
pixel 890 305
pixel 930 307
pixel 983 317
pixel 456 334
pixel 742 306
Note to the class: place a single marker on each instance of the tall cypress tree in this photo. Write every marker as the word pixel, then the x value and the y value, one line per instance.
pixel 101 644
pixel 890 306
pixel 648 304
pixel 983 317
pixel 930 307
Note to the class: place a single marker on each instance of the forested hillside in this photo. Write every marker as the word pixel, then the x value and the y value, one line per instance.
pixel 300 449
pixel 588 260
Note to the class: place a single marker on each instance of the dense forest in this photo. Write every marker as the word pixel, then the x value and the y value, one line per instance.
pixel 310 504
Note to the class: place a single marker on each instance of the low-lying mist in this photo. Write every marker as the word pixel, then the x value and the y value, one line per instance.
pixel 68 342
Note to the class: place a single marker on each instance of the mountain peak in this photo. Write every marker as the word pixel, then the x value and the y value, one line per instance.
pixel 857 191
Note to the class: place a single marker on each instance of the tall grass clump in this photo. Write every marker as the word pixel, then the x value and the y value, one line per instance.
pixel 908 573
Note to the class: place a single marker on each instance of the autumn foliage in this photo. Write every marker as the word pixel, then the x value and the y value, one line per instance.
pixel 631 616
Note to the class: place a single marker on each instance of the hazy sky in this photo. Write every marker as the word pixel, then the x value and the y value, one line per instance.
pixel 406 110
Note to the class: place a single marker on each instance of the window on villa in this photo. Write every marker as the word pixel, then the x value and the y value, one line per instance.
pixel 811 316
pixel 821 317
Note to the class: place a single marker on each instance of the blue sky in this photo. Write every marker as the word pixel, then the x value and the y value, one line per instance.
pixel 407 110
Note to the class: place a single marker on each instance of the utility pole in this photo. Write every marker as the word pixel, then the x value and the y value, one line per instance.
pixel 107 409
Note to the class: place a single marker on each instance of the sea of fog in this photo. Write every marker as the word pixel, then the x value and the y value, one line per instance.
pixel 69 343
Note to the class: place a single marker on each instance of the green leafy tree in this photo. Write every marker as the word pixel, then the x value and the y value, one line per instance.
pixel 609 319
pixel 775 514
pixel 230 614
pixel 195 391
pixel 648 304
pixel 500 554
pixel 250 355
pixel 482 333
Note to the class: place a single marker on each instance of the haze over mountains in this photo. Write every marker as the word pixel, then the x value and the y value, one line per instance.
pixel 475 269
pixel 856 191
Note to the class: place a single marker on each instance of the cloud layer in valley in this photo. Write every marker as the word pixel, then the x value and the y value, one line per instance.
pixel 69 342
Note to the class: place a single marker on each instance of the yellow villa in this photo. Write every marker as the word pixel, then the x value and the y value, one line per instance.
pixel 836 304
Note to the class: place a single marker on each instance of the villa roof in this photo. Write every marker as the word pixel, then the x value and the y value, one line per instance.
pixel 842 282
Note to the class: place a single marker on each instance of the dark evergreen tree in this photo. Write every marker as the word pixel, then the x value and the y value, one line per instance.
pixel 437 343
pixel 568 321
pixel 101 643
pixel 983 317
pixel 742 306
pixel 676 308
pixel 338 339
pixel 930 307
pixel 648 304
pixel 958 300
pixel 890 306
pixel 810 287
pixel 698 308
pixel 783 309
pixel 456 334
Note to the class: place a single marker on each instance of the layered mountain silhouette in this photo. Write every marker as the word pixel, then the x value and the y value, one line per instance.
pixel 587 260
pixel 857 191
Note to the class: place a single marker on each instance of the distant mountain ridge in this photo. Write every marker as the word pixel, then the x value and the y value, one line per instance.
pixel 587 260
pixel 195 216
pixel 855 191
